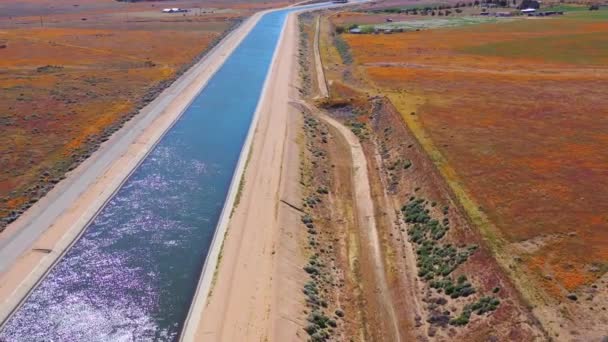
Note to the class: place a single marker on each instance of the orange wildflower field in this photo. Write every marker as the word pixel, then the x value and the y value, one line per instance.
pixel 515 115
pixel 72 74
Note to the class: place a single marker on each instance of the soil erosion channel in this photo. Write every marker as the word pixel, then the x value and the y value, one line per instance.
pixel 134 270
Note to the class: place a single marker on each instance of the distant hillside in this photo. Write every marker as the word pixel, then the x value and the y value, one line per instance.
pixel 143 0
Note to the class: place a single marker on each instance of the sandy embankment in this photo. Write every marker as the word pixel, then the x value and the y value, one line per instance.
pixel 255 295
pixel 320 73
pixel 33 243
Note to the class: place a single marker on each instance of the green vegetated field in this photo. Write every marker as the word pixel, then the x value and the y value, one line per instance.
pixel 549 40
pixel 423 24
pixel 581 49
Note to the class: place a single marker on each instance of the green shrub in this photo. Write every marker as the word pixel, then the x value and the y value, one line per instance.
pixel 461 320
pixel 485 304
pixel 482 306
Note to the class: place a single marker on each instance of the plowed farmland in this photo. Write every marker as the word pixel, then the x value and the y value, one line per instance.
pixel 515 116
pixel 72 74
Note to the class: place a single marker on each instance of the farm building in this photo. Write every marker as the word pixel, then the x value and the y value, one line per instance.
pixel 174 10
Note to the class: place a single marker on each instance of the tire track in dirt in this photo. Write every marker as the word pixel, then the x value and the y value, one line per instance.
pixel 364 203
pixel 365 217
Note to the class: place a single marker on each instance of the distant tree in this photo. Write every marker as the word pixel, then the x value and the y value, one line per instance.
pixel 594 7
pixel 340 29
pixel 458 10
pixel 367 29
pixel 529 4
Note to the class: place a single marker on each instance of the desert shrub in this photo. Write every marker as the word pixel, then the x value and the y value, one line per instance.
pixel 434 258
pixel 482 306
pixel 358 128
pixel 464 289
pixel 343 49
pixel 319 319
pixel 323 190
pixel 311 328
pixel 485 304
pixel 319 336
pixel 462 319
pixel 407 164
pixel 306 219
pixel 313 270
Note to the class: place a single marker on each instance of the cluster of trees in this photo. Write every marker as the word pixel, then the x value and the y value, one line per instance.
pixel 364 29
pixel 433 12
pixel 529 4
pixel 456 7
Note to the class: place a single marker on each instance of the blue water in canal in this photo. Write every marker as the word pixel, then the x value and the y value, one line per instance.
pixel 132 274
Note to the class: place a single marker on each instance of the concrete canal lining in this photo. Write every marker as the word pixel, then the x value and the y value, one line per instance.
pixel 59 219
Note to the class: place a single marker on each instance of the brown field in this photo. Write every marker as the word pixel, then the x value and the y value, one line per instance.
pixel 398 171
pixel 515 116
pixel 71 75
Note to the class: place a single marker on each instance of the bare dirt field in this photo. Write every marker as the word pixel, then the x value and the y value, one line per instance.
pixel 72 74
pixel 512 117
